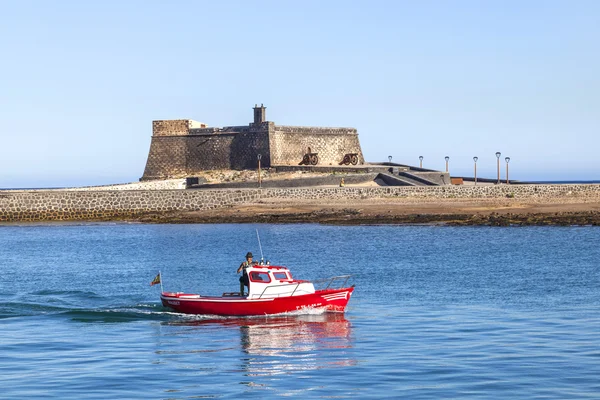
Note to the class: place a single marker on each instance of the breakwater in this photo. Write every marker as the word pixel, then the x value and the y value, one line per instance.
pixel 67 205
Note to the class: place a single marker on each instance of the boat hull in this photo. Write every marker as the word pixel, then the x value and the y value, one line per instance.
pixel 330 300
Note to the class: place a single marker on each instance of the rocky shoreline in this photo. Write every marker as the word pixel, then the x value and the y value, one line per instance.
pixel 354 217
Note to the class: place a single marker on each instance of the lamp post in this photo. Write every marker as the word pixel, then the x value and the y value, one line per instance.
pixel 498 157
pixel 390 159
pixel 507 159
pixel 447 159
pixel 259 180
pixel 420 161
pixel 475 163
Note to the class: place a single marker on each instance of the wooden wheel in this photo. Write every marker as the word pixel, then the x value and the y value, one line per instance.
pixel 314 159
pixel 354 159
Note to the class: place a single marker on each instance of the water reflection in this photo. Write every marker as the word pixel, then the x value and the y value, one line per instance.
pixel 300 343
pixel 277 345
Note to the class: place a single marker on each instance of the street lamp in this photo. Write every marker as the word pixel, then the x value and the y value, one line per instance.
pixel 420 161
pixel 390 158
pixel 447 159
pixel 259 180
pixel 507 159
pixel 498 157
pixel 475 163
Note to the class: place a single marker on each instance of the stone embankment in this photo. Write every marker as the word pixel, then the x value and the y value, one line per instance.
pixel 71 205
pixel 167 184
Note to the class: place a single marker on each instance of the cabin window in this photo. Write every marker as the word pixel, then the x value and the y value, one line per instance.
pixel 263 277
pixel 280 275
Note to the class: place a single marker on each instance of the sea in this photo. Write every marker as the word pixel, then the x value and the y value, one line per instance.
pixel 438 313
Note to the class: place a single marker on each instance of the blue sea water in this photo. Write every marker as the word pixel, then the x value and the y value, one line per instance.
pixel 438 312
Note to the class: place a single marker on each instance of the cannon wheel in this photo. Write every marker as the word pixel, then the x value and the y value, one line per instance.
pixel 314 159
pixel 354 159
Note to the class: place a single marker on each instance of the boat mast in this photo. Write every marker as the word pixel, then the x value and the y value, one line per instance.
pixel 262 258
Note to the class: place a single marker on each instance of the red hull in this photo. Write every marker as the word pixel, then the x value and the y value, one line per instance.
pixel 330 300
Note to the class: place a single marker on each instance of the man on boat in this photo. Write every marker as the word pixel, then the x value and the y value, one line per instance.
pixel 244 281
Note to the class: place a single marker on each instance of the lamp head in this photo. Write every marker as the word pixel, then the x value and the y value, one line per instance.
pixel 475 159
pixel 390 158
pixel 446 158
pixel 498 154
pixel 421 158
pixel 507 159
pixel 259 156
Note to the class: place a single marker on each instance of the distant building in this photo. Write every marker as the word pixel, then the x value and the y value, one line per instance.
pixel 185 147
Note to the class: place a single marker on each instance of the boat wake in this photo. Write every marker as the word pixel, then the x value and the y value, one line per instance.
pixel 120 314
pixel 84 306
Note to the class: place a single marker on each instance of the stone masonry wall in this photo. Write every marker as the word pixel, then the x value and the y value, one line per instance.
pixel 226 151
pixel 201 149
pixel 167 184
pixel 104 205
pixel 181 148
pixel 206 152
pixel 289 144
pixel 167 158
pixel 174 127
pixel 34 205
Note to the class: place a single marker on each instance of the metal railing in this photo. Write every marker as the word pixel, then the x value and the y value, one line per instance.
pixel 279 294
pixel 341 279
pixel 330 282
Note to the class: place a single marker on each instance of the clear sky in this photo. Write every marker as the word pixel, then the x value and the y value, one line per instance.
pixel 81 81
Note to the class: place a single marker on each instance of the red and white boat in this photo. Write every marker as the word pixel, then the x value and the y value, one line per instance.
pixel 272 290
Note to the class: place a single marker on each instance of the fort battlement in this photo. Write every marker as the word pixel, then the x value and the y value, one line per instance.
pixel 175 127
pixel 186 147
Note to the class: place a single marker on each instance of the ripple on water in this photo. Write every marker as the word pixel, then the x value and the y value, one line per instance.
pixel 438 312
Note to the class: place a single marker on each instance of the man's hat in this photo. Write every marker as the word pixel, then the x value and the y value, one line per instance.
pixel 249 255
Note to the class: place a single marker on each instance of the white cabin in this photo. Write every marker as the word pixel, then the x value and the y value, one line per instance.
pixel 268 281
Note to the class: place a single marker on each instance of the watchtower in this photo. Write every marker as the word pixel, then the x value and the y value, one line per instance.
pixel 260 114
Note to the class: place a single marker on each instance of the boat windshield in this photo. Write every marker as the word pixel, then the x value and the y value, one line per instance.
pixel 280 275
pixel 256 276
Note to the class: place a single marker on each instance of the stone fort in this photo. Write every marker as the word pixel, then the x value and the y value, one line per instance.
pixel 184 147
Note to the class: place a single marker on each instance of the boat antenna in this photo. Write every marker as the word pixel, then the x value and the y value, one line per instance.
pixel 262 258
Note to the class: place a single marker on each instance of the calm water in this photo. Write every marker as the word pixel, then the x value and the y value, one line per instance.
pixel 438 312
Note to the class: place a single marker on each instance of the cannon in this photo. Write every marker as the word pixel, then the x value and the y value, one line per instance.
pixel 310 158
pixel 350 158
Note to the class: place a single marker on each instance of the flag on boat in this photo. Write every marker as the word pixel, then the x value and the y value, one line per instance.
pixel 156 280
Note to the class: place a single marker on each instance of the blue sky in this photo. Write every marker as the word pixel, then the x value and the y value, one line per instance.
pixel 81 81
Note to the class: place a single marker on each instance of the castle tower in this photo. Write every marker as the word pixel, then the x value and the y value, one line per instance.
pixel 260 114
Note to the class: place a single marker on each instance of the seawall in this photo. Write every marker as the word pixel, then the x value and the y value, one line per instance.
pixel 57 205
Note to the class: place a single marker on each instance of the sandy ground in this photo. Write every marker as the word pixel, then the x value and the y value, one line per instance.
pixel 381 211
pixel 404 211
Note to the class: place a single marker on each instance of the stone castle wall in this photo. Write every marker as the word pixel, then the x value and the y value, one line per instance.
pixel 179 156
pixel 174 127
pixel 181 148
pixel 167 158
pixel 227 151
pixel 289 144
pixel 34 205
